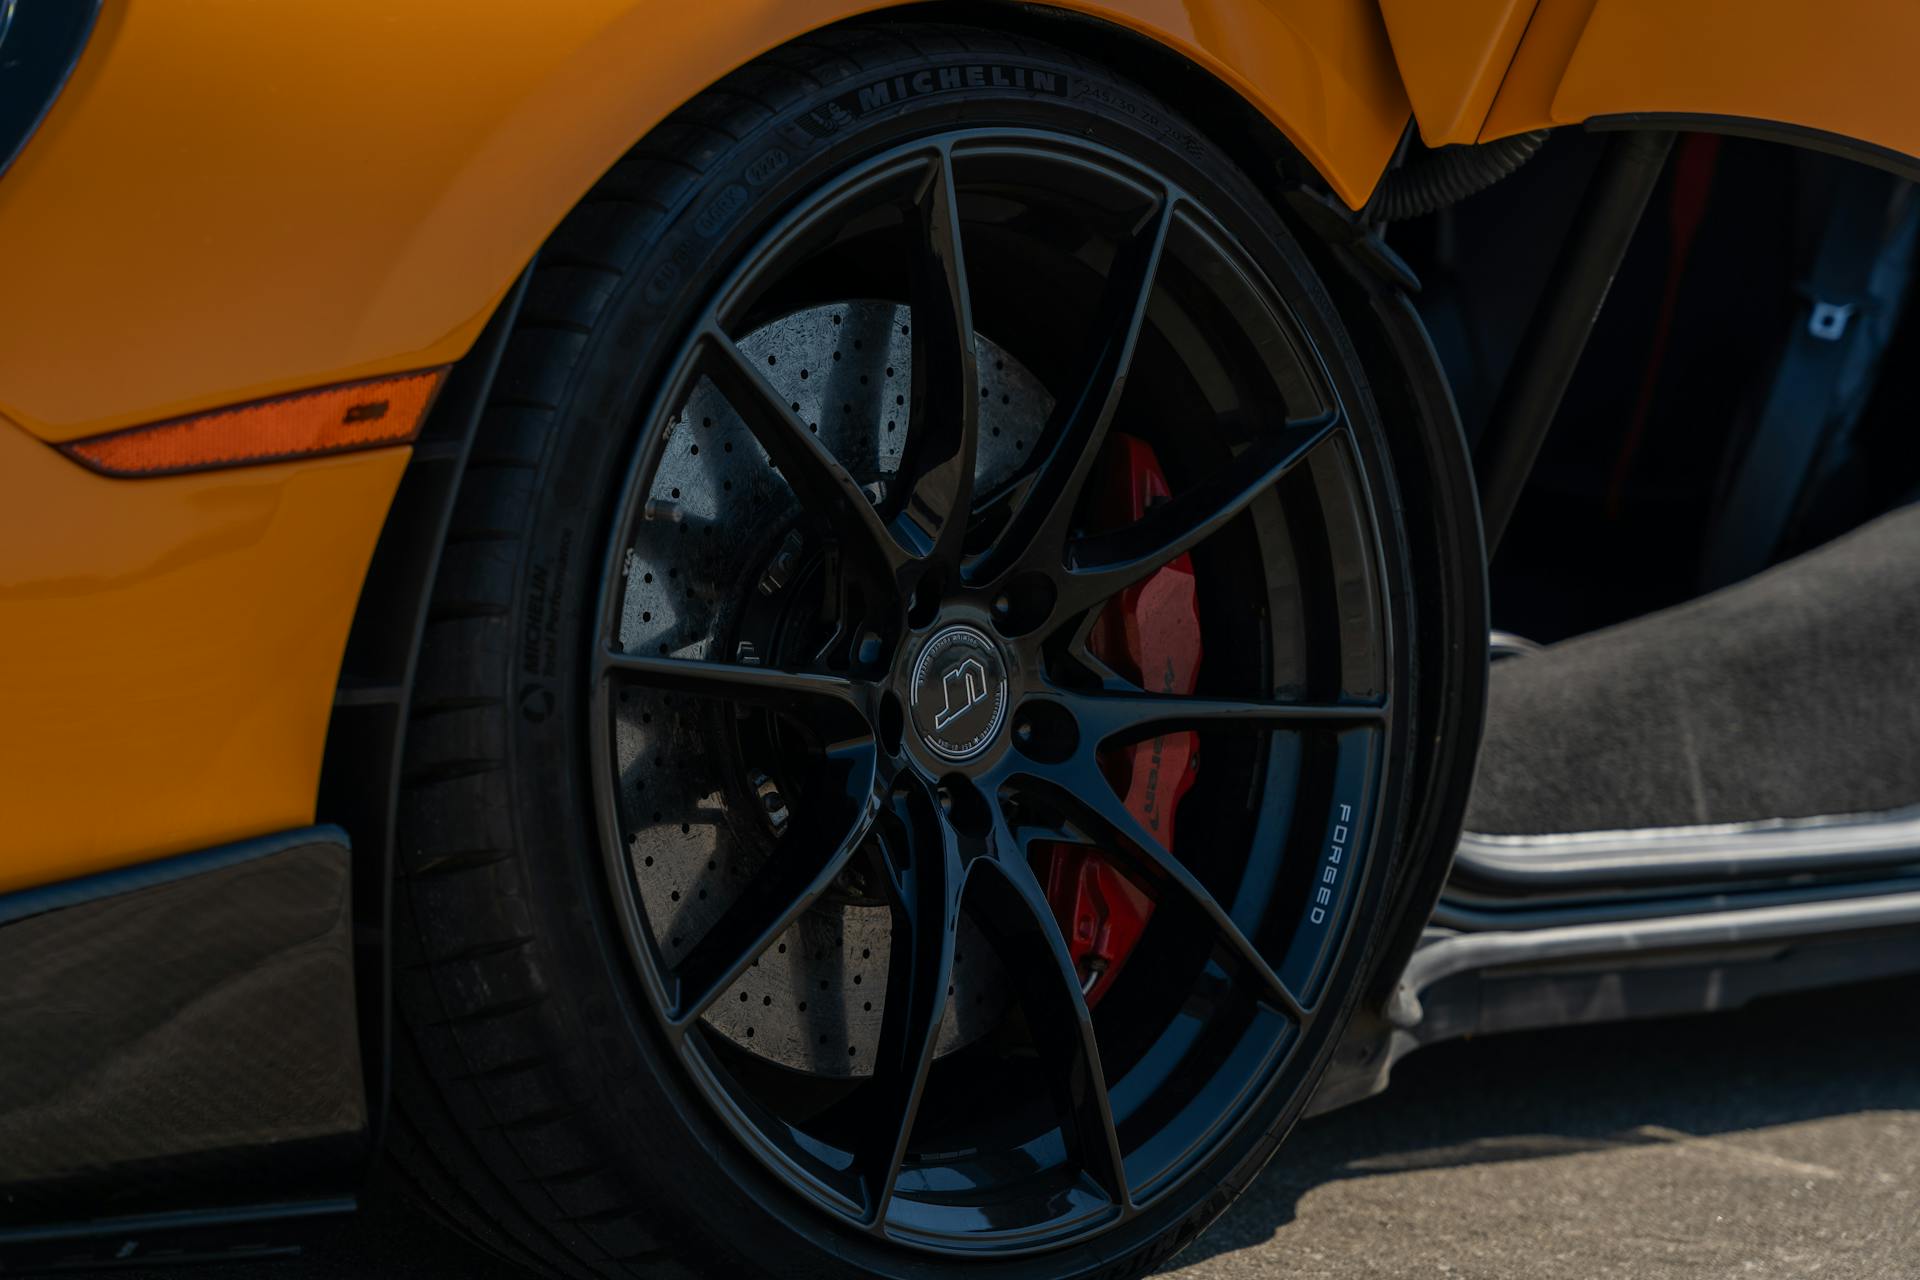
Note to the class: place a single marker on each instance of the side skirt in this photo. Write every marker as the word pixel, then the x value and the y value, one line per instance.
pixel 181 1040
pixel 1493 872
pixel 1722 954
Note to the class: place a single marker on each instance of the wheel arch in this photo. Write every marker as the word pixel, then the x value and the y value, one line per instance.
pixel 361 774
pixel 1831 76
pixel 1262 132
pixel 393 189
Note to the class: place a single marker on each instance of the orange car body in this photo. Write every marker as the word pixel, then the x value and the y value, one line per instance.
pixel 232 200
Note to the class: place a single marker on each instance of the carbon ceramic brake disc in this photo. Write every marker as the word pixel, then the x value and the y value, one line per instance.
pixel 720 519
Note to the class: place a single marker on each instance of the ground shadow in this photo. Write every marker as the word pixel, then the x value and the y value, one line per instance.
pixel 1520 1097
pixel 1504 1098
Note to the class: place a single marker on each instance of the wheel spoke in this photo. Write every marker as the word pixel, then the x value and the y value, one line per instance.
pixel 730 681
pixel 925 507
pixel 823 485
pixel 1081 421
pixel 1100 566
pixel 1103 820
pixel 924 898
pixel 1014 912
pixel 783 891
pixel 1131 716
pixel 944 415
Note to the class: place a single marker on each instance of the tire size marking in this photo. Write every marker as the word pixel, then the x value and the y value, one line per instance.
pixel 727 202
pixel 1145 116
pixel 540 630
pixel 768 167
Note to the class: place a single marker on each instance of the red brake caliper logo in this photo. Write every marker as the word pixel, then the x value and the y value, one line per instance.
pixel 1149 634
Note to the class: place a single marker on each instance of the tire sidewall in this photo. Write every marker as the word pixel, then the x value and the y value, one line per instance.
pixel 708 1195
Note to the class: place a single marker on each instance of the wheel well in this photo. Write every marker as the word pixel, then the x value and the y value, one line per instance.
pixel 360 773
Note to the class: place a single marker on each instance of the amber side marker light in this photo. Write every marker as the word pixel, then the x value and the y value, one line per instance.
pixel 353 415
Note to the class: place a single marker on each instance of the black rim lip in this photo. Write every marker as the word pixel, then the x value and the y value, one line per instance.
pixel 1299 1046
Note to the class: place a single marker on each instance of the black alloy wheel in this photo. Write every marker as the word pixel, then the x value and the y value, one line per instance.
pixel 943 713
pixel 837 696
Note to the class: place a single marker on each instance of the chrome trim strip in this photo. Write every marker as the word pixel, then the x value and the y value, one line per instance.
pixel 1686 855
pixel 1800 922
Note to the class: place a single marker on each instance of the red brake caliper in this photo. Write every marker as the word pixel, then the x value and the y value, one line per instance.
pixel 1149 634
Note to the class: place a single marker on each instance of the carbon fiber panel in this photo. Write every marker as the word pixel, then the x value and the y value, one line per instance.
pixel 181 1035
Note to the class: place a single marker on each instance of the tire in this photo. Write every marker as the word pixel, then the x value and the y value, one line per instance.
pixel 544 1104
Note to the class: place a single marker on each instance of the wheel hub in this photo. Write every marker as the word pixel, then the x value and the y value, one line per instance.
pixel 957 693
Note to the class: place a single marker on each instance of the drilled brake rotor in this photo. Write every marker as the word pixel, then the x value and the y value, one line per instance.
pixel 714 548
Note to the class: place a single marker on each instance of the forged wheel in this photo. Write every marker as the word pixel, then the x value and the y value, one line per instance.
pixel 911 752
pixel 922 708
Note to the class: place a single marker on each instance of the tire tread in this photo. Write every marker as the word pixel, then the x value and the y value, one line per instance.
pixel 486 1132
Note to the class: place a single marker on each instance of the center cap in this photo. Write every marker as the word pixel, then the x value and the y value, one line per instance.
pixel 959 693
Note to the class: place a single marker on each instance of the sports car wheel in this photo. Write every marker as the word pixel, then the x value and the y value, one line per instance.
pixel 912 739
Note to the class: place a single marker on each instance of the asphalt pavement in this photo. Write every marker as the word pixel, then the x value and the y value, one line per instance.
pixel 1773 1143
